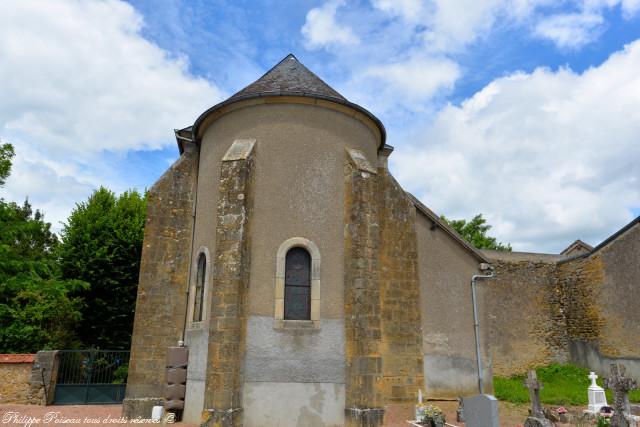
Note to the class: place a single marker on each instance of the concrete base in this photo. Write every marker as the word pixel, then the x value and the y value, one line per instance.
pixel 587 354
pixel 222 418
pixel 370 417
pixel 140 407
pixel 450 376
pixel 537 422
pixel 293 404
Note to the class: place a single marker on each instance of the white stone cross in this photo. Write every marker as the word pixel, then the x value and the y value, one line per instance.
pixel 597 398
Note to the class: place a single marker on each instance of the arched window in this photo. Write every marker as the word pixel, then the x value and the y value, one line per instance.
pixel 297 290
pixel 201 275
pixel 297 285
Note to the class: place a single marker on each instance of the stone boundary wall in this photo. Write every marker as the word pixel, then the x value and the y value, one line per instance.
pixel 586 310
pixel 522 311
pixel 43 378
pixel 603 313
pixel 15 372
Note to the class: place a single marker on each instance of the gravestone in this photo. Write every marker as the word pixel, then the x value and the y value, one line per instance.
pixel 537 418
pixel 460 411
pixel 620 386
pixel 481 411
pixel 597 398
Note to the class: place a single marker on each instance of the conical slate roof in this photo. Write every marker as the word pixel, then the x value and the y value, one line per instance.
pixel 289 76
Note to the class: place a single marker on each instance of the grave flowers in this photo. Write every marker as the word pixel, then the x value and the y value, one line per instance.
pixel 603 422
pixel 429 415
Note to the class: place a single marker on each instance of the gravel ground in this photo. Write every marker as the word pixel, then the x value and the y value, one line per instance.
pixel 90 415
pixel 67 415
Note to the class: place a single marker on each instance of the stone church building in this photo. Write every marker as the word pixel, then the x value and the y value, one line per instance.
pixel 311 290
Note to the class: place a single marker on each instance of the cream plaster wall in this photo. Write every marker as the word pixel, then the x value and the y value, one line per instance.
pixel 298 189
pixel 445 269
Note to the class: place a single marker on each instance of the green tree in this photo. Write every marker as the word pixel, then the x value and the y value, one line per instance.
pixel 101 245
pixel 6 154
pixel 37 310
pixel 475 232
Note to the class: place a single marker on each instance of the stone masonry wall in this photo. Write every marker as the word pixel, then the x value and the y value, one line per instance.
pixel 15 372
pixel 227 333
pixel 382 314
pixel 579 282
pixel 603 319
pixel 402 366
pixel 363 329
pixel 164 273
pixel 583 310
pixel 14 382
pixel 522 309
pixel 43 378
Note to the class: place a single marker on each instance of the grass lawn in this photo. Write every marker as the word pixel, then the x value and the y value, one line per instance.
pixel 562 385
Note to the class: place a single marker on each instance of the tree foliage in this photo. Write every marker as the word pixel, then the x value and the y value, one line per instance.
pixel 6 154
pixel 37 310
pixel 475 232
pixel 101 245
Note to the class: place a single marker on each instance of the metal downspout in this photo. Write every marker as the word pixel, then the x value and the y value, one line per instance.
pixel 476 324
pixel 181 343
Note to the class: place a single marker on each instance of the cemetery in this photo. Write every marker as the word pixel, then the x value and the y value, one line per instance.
pixel 585 405
pixel 275 263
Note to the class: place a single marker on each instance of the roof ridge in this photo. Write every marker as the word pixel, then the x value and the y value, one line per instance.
pixel 289 77
pixel 290 55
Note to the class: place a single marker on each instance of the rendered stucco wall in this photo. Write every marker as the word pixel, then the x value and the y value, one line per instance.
pixel 620 305
pixel 445 270
pixel 297 191
pixel 307 404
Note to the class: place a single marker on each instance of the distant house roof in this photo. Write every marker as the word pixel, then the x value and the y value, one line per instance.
pixel 291 78
pixel 17 358
pixel 577 247
pixel 617 234
pixel 435 219
pixel 604 243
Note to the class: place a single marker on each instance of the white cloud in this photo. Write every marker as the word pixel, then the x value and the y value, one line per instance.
pixel 417 78
pixel 450 25
pixel 548 157
pixel 321 28
pixel 453 24
pixel 571 30
pixel 78 78
pixel 411 10
pixel 630 8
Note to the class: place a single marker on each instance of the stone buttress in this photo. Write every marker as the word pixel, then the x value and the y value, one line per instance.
pixel 382 317
pixel 227 333
pixel 162 289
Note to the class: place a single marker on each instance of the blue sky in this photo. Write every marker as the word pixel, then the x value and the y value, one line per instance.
pixel 527 111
